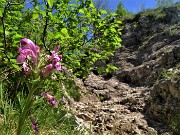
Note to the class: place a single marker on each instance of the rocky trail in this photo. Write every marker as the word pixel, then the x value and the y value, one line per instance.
pixel 110 107
pixel 142 96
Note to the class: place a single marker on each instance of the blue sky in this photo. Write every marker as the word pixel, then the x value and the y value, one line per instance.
pixel 131 5
pixel 134 5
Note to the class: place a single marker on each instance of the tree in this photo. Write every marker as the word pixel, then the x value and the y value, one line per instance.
pixel 72 25
pixel 121 11
pixel 164 3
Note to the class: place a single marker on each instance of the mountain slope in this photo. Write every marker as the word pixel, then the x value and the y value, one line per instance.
pixel 143 96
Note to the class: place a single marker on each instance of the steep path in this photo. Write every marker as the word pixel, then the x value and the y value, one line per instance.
pixel 110 107
pixel 142 96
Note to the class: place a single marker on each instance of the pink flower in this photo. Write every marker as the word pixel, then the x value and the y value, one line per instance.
pixel 24 54
pixel 55 55
pixel 28 56
pixel 28 51
pixel 28 44
pixel 55 59
pixel 47 70
pixel 26 68
pixel 52 101
pixel 57 64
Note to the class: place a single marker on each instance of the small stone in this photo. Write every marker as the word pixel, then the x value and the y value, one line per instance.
pixel 113 110
pixel 105 109
pixel 109 127
pixel 84 117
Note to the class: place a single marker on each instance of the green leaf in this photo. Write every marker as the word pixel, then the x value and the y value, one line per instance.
pixel 106 32
pixel 81 11
pixel 107 70
pixel 94 59
pixel 13 60
pixel 58 36
pixel 1 13
pixel 1 44
pixel 64 31
pixel 91 5
pixel 112 67
pixel 17 36
pixel 103 12
pixel 50 2
pixel 16 67
pixel 119 22
pixel 97 55
pixel 112 29
pixel 35 16
pixel 78 63
pixel 43 13
pixel 7 33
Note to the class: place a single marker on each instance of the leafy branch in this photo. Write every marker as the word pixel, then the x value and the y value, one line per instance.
pixel 45 30
pixel 6 8
pixel 4 28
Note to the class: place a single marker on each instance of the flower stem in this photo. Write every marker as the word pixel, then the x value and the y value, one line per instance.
pixel 23 115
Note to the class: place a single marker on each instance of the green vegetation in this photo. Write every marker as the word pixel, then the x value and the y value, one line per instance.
pixel 50 121
pixel 122 12
pixel 173 30
pixel 157 13
pixel 175 124
pixel 177 5
pixel 169 74
pixel 165 3
pixel 178 64
pixel 85 35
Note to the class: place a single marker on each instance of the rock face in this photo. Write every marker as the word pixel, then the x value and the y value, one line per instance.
pixel 152 58
pixel 143 96
pixel 165 99
pixel 150 45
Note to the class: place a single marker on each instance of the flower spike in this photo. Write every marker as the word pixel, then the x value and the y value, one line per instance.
pixel 52 101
